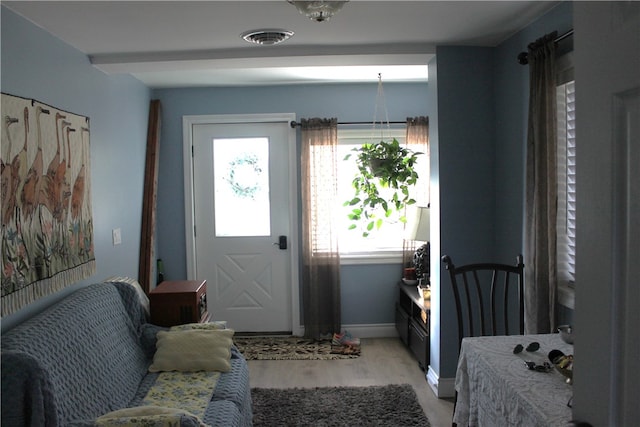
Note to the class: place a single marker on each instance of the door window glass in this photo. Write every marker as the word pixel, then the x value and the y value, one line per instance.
pixel 241 183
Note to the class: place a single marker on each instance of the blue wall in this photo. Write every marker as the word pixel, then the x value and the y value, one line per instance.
pixel 476 100
pixel 466 159
pixel 482 122
pixel 39 66
pixel 368 291
pixel 511 106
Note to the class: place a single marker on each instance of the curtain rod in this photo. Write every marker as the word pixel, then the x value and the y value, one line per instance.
pixel 523 57
pixel 295 124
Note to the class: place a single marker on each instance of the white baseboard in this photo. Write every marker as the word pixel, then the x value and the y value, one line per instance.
pixel 441 387
pixel 377 330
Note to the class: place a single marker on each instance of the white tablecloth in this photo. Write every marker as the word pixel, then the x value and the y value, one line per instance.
pixel 496 389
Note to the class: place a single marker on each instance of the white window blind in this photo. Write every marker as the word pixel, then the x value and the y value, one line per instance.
pixel 566 160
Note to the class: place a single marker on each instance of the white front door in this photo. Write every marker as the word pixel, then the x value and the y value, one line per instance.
pixel 243 222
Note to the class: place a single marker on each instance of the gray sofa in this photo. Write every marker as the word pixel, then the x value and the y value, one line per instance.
pixel 89 355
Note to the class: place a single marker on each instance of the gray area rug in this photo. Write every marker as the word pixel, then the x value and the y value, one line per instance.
pixel 388 406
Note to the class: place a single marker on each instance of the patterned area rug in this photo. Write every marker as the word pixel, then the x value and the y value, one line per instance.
pixel 292 348
pixel 388 406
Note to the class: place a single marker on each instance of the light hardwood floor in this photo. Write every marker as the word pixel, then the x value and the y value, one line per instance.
pixel 382 361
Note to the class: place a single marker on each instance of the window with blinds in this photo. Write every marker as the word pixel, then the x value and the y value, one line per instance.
pixel 566 165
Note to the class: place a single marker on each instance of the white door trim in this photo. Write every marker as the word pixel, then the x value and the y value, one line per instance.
pixel 187 137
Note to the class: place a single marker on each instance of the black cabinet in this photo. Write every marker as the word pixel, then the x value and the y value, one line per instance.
pixel 402 324
pixel 412 322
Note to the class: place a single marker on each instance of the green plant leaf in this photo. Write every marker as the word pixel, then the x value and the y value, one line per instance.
pixel 394 169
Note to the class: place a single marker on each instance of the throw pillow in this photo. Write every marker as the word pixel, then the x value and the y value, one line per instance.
pixel 193 350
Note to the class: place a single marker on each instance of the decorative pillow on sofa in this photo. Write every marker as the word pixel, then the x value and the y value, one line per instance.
pixel 149 416
pixel 193 350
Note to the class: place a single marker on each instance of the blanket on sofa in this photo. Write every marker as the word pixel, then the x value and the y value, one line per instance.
pixel 190 391
pixel 90 354
pixel 23 376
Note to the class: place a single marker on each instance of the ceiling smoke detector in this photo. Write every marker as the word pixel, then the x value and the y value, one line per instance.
pixel 267 36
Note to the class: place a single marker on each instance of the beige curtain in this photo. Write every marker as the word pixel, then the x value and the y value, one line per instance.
pixel 321 260
pixel 417 140
pixel 541 189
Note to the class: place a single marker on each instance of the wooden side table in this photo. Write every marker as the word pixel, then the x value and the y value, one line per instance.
pixel 179 302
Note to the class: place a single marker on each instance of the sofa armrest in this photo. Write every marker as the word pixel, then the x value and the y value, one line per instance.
pixel 148 338
pixel 27 397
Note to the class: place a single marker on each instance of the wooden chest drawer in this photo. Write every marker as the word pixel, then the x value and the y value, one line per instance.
pixel 179 302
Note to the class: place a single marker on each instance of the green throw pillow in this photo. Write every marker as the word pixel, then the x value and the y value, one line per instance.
pixel 193 350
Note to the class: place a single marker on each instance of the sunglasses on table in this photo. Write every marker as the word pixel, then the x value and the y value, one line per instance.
pixel 532 366
pixel 534 346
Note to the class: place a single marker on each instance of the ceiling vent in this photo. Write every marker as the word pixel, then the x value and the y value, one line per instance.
pixel 267 36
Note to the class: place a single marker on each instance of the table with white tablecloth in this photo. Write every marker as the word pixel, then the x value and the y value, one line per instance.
pixel 495 388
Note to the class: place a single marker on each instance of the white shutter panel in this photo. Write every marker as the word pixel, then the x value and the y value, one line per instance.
pixel 566 223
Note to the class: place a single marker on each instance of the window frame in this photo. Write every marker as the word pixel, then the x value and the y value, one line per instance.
pixel 378 255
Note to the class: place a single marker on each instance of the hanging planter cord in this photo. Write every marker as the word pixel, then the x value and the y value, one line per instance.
pixel 380 100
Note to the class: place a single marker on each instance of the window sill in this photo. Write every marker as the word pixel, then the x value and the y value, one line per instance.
pixel 363 258
pixel 566 296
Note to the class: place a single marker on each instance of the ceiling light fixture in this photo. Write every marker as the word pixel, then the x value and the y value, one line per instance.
pixel 318 11
pixel 267 36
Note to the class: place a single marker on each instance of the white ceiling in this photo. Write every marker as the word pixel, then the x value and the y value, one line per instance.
pixel 198 43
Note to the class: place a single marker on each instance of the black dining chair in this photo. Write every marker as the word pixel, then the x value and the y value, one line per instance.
pixel 489 299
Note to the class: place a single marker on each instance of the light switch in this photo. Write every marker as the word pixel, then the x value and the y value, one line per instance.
pixel 117 237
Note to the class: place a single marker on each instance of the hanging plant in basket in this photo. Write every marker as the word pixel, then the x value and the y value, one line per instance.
pixel 384 164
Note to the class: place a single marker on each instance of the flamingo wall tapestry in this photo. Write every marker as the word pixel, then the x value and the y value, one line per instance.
pixel 47 226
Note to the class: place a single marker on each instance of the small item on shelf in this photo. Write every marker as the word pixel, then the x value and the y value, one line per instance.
pixel 160 268
pixel 424 292
pixel 410 273
pixel 421 261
